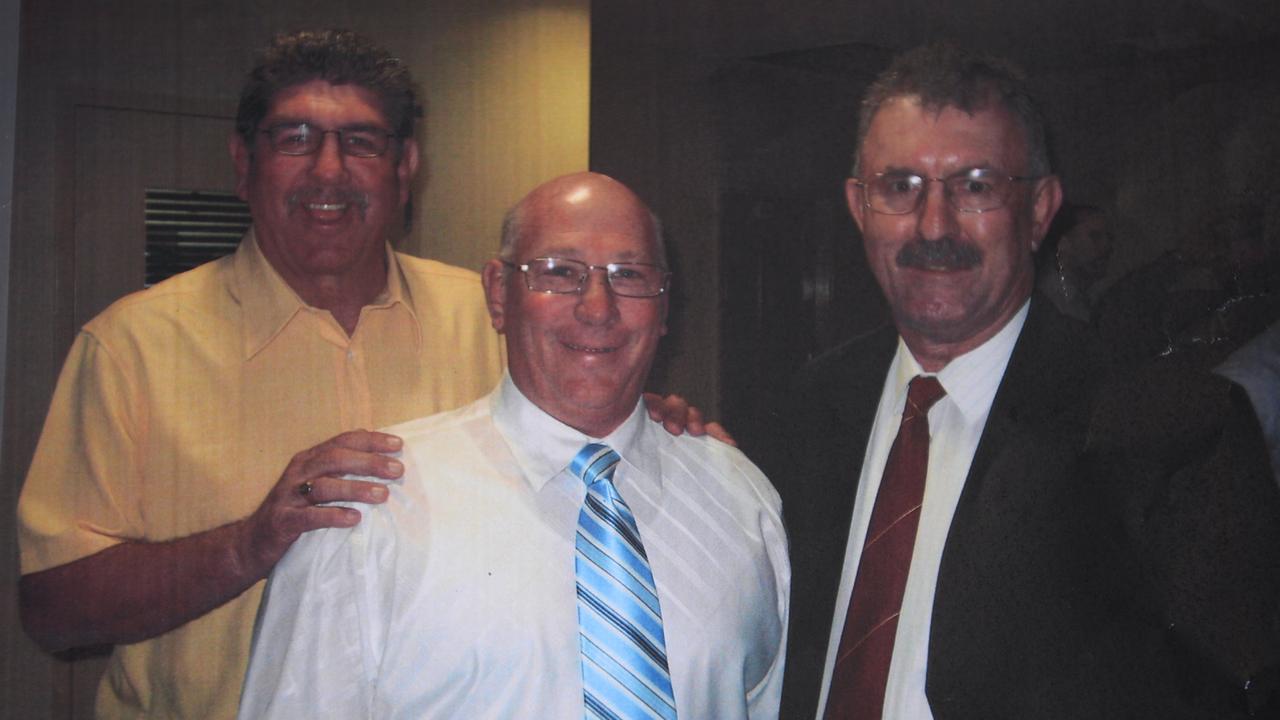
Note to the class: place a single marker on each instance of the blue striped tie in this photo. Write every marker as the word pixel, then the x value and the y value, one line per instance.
pixel 624 653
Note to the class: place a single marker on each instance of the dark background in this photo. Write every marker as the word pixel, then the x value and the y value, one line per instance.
pixel 733 118
pixel 737 120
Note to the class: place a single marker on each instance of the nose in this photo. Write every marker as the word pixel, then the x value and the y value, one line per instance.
pixel 597 304
pixel 937 215
pixel 328 163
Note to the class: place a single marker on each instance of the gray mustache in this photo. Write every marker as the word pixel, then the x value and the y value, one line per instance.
pixel 944 254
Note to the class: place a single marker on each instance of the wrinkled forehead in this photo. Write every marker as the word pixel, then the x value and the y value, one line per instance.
pixel 591 220
pixel 603 244
pixel 300 100
pixel 907 133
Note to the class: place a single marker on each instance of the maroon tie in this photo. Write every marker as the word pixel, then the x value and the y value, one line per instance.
pixel 866 646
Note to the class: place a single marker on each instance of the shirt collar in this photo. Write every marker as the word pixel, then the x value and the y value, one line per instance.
pixel 543 446
pixel 970 379
pixel 270 304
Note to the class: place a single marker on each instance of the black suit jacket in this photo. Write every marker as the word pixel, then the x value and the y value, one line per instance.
pixel 1036 614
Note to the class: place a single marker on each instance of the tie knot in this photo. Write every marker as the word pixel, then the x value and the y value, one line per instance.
pixel 922 393
pixel 594 462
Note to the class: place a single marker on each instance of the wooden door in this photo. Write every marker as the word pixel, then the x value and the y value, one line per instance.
pixel 794 283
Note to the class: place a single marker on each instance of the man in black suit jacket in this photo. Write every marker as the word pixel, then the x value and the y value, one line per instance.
pixel 1111 550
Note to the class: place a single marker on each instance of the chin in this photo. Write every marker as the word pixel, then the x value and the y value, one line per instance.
pixel 941 327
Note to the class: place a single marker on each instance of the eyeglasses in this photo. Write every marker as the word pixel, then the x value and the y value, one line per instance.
pixel 969 191
pixel 561 276
pixel 304 139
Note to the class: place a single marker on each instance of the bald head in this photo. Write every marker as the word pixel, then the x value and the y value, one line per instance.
pixel 578 198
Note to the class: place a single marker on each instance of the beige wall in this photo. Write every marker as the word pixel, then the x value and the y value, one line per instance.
pixel 506 85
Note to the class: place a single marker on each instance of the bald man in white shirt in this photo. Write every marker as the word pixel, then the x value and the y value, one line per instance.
pixel 458 597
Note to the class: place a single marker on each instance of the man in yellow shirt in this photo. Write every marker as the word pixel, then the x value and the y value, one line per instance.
pixel 143 522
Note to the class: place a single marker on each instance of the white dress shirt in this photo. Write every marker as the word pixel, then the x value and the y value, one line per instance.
pixel 955 427
pixel 456 598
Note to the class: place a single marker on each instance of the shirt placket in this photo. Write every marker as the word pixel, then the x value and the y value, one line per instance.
pixel 350 373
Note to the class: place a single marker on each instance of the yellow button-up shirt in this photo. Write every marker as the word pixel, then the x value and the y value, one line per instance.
pixel 179 407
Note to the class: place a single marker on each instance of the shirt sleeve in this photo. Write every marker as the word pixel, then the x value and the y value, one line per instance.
pixel 315 650
pixel 764 701
pixel 80 493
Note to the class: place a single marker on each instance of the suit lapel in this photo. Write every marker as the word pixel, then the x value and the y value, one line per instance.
pixel 863 381
pixel 854 387
pixel 825 441
pixel 1032 417
pixel 1045 377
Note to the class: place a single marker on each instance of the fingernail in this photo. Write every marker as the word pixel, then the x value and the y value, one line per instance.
pixel 378 493
pixel 395 466
pixel 395 442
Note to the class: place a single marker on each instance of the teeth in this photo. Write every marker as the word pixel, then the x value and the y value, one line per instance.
pixel 581 348
pixel 327 207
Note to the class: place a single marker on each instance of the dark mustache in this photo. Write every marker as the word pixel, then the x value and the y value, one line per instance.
pixel 317 194
pixel 942 254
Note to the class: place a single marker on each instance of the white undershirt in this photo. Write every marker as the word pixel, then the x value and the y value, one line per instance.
pixel 955 424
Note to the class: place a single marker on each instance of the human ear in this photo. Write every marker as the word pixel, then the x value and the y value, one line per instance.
pixel 853 195
pixel 493 276
pixel 242 158
pixel 1045 201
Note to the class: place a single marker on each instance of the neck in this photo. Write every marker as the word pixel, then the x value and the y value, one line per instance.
pixel 342 295
pixel 933 357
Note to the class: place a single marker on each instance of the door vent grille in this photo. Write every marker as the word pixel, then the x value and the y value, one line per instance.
pixel 186 228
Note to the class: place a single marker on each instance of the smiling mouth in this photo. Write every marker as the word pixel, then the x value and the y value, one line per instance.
pixel 327 207
pixel 591 350
pixel 936 267
pixel 329 201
